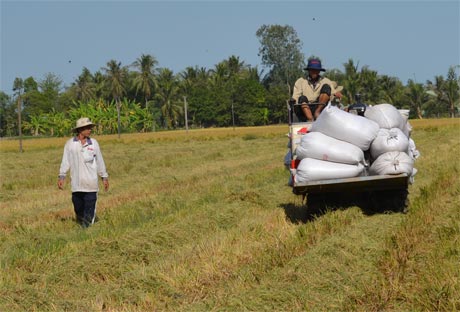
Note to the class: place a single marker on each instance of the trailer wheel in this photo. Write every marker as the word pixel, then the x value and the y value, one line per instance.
pixel 321 202
pixel 392 201
pixel 316 203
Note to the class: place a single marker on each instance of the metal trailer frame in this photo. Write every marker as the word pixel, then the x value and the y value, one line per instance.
pixel 398 183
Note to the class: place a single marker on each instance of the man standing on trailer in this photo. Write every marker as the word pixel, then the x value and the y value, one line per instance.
pixel 83 157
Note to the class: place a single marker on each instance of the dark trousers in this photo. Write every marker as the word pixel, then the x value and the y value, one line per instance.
pixel 84 204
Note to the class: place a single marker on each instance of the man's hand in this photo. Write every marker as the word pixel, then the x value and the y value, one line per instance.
pixel 338 95
pixel 303 99
pixel 60 184
pixel 106 184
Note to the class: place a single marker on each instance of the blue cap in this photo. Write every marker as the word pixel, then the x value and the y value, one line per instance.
pixel 314 64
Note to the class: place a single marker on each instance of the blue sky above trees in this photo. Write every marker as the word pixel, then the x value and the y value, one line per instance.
pixel 406 39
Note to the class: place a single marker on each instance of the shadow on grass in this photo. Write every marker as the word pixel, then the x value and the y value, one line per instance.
pixel 316 205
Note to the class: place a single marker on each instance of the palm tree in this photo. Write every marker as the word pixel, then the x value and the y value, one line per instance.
pixel 416 96
pixel 451 91
pixel 351 84
pixel 220 74
pixel 254 73
pixel 84 86
pixel 369 83
pixel 115 75
pixel 194 84
pixel 167 97
pixel 391 89
pixel 193 78
pixel 235 66
pixel 144 81
pixel 223 83
pixel 99 85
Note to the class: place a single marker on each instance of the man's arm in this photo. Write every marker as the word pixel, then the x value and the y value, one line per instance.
pixel 297 91
pixel 336 90
pixel 101 169
pixel 65 166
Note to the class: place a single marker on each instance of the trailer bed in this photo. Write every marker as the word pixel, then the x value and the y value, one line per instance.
pixel 368 183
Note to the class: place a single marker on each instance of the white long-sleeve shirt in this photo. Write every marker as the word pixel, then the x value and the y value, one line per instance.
pixel 85 163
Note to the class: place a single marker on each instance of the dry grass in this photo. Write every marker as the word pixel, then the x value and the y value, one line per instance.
pixel 204 222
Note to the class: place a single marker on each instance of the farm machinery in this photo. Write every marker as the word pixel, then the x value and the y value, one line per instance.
pixel 382 192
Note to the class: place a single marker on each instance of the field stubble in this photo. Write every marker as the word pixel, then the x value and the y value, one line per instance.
pixel 204 221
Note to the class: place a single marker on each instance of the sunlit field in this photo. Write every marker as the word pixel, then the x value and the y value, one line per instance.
pixel 204 221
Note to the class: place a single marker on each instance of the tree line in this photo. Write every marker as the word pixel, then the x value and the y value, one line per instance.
pixel 142 97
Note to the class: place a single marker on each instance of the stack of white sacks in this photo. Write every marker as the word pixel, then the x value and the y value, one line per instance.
pixel 334 147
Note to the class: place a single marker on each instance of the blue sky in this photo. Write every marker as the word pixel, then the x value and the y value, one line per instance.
pixel 406 39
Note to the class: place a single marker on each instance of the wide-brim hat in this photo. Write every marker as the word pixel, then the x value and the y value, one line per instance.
pixel 314 64
pixel 83 122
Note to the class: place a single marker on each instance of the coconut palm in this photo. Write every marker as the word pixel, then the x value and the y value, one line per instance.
pixel 222 85
pixel 416 96
pixel 84 87
pixel 144 81
pixel 235 66
pixel 391 89
pixel 99 85
pixel 167 97
pixel 370 86
pixel 115 79
pixel 194 84
pixel 193 77
pixel 448 90
pixel 220 74
pixel 351 83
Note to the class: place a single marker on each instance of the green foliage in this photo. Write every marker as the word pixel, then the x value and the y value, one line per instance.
pixel 280 51
pixel 250 99
pixel 84 87
pixel 416 96
pixel 201 107
pixel 6 113
pixel 230 93
pixel 144 80
pixel 167 98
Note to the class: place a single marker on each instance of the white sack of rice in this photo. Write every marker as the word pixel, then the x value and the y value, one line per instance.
pixel 320 146
pixel 412 150
pixel 392 163
pixel 310 169
pixel 407 130
pixel 404 113
pixel 386 115
pixel 389 140
pixel 347 127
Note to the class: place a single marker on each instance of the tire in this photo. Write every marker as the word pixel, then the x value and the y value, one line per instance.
pixel 390 201
pixel 316 203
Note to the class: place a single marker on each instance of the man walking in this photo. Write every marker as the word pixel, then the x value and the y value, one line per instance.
pixel 83 157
